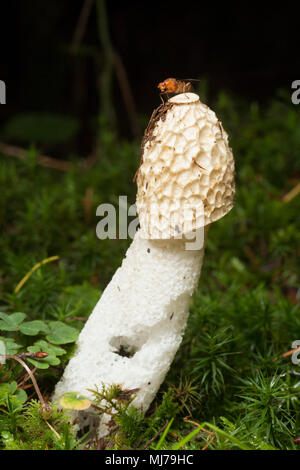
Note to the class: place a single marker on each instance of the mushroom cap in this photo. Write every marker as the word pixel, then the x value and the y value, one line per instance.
pixel 186 180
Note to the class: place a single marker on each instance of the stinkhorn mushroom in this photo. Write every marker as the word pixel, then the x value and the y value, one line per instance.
pixel 185 182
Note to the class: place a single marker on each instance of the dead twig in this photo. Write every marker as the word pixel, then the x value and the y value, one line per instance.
pixel 251 255
pixel 28 370
pixel 206 446
pixel 35 267
pixel 81 24
pixel 156 435
pixel 211 433
pixel 175 435
pixel 292 351
pixel 90 161
pixel 126 92
pixel 25 378
pixel 25 387
pixel 84 319
pixel 8 372
pixel 106 76
pixel 186 420
pixel 88 204
pixel 286 354
pixel 43 160
pixel 292 194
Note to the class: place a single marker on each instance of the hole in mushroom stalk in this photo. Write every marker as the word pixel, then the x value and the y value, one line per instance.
pixel 125 351
pixel 123 347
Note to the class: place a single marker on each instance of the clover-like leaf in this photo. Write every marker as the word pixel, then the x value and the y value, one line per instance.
pixel 50 349
pixel 10 346
pixel 60 333
pixel 11 322
pixel 21 395
pixel 44 363
pixel 15 395
pixel 42 345
pixel 33 328
pixel 74 401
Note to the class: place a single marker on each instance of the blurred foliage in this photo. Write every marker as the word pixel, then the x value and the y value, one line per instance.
pixel 41 128
pixel 229 375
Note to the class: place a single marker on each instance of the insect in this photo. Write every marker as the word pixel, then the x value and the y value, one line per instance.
pixel 158 113
pixel 172 85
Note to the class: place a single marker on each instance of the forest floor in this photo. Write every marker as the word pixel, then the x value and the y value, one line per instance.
pixel 231 385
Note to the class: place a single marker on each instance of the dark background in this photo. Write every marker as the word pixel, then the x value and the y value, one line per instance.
pixel 249 50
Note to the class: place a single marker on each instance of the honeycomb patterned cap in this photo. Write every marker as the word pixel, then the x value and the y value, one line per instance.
pixel 186 180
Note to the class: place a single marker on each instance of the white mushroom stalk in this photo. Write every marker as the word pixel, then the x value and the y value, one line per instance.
pixel 185 183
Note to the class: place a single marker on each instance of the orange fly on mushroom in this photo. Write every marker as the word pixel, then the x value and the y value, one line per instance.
pixel 172 85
